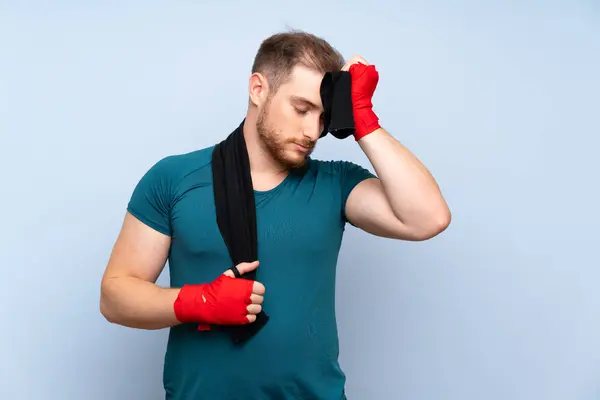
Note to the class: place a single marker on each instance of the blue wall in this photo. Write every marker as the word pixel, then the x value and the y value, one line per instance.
pixel 499 99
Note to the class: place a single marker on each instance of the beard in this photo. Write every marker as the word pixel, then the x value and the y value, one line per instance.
pixel 275 143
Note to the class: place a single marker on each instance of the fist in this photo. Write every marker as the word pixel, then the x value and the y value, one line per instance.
pixel 364 78
pixel 258 289
pixel 225 301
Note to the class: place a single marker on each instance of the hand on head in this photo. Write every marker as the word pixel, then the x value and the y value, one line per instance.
pixel 364 81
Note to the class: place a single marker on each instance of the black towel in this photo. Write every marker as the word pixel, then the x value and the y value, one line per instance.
pixel 234 193
pixel 236 215
pixel 336 96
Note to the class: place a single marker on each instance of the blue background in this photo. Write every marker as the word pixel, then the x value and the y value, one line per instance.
pixel 500 100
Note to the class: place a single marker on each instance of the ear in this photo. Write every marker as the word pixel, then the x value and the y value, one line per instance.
pixel 258 89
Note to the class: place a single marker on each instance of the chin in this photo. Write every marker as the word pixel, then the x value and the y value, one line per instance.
pixel 295 160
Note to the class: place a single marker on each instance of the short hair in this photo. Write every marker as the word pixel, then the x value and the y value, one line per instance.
pixel 280 53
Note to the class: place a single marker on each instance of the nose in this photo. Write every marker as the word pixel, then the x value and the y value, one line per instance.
pixel 313 128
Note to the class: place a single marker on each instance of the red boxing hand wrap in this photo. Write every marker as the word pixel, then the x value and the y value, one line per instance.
pixel 221 302
pixel 364 81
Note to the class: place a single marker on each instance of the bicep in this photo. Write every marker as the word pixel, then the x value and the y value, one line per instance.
pixel 139 251
pixel 367 208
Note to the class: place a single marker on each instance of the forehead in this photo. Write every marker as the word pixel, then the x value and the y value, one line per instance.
pixel 304 82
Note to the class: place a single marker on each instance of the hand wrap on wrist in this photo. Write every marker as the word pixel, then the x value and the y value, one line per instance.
pixel 221 302
pixel 364 81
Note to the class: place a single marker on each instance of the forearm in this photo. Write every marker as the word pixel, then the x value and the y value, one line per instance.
pixel 136 303
pixel 411 190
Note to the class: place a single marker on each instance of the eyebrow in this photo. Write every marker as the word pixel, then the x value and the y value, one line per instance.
pixel 305 101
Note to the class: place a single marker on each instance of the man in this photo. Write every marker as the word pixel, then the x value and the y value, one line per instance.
pixel 302 206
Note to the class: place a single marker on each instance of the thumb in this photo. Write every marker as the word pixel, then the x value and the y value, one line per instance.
pixel 242 268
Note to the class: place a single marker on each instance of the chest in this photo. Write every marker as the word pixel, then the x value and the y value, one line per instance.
pixel 293 222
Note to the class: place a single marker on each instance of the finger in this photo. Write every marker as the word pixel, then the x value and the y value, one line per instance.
pixel 247 267
pixel 251 318
pixel 258 288
pixel 242 268
pixel 348 65
pixel 355 59
pixel 254 308
pixel 256 299
pixel 358 59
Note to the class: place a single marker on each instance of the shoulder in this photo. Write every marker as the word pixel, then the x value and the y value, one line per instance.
pixel 164 182
pixel 340 168
pixel 176 167
pixel 186 162
pixel 343 174
pixel 167 176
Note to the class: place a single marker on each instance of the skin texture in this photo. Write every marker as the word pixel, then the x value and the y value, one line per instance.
pixel 281 130
pixel 129 294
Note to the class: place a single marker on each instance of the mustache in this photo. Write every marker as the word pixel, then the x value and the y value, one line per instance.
pixel 305 143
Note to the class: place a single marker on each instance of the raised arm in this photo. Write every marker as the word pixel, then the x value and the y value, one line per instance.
pixel 129 294
pixel 405 202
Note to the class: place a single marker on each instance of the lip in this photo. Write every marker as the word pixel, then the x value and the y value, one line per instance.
pixel 302 148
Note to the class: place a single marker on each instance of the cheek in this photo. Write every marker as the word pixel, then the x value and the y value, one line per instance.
pixel 281 112
pixel 285 121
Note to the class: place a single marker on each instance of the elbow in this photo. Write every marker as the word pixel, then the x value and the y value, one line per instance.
pixel 106 308
pixel 437 223
pixel 443 220
pixel 106 311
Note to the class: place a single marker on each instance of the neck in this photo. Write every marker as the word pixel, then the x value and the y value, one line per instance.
pixel 266 172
